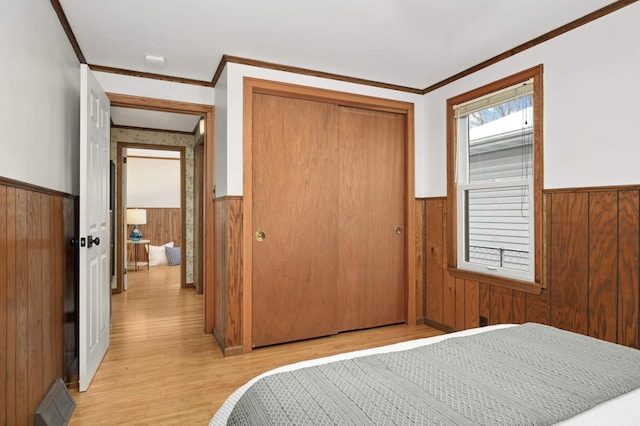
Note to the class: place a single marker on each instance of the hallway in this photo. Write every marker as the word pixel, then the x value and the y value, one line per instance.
pixel 150 374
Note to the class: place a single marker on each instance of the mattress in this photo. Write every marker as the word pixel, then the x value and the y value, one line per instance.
pixel 624 409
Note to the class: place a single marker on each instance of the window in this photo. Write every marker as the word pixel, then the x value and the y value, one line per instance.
pixel 495 181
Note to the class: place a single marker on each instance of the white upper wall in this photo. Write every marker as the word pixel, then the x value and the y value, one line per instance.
pixel 220 136
pixel 152 88
pixel 235 74
pixel 153 183
pixel 590 85
pixel 39 98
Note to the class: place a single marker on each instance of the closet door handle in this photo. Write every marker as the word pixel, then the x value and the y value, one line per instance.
pixel 261 236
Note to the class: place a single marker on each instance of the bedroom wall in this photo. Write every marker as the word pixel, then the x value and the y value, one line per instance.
pixel 39 184
pixel 590 83
pixel 40 108
pixel 232 116
pixel 220 155
pixel 229 191
pixel 591 195
pixel 592 270
pixel 38 305
pixel 168 139
pixel 156 89
pixel 153 182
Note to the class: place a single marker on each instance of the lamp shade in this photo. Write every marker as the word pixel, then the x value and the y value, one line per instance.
pixel 136 216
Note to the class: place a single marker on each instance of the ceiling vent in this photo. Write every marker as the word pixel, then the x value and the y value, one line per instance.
pixel 154 60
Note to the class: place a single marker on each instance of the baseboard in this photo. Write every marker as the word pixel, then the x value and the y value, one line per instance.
pixel 231 351
pixel 234 350
pixel 439 326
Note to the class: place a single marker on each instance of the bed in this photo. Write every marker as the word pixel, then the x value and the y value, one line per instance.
pixel 504 374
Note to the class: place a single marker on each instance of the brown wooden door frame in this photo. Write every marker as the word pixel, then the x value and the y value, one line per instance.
pixel 121 237
pixel 198 222
pixel 207 111
pixel 253 85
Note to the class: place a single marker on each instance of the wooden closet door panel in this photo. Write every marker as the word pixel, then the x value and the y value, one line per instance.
pixel 371 283
pixel 294 203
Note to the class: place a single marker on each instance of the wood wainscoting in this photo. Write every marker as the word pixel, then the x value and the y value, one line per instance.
pixel 591 263
pixel 227 327
pixel 163 225
pixel 38 299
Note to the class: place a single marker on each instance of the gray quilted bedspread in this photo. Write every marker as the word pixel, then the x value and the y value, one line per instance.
pixel 526 375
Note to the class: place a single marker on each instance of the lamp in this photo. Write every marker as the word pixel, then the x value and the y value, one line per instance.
pixel 136 217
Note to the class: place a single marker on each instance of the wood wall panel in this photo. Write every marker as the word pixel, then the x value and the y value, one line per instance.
pixel 163 225
pixel 22 307
pixel 484 301
pixel 519 307
pixel 569 262
pixel 434 262
pixel 592 275
pixel 628 267
pixel 471 304
pixel 33 281
pixel 420 260
pixel 227 326
pixel 538 308
pixel 459 310
pixel 3 304
pixel 467 304
pixel 501 302
pixel 603 265
pixel 47 252
pixel 448 282
pixel 34 295
pixel 221 265
pixel 11 306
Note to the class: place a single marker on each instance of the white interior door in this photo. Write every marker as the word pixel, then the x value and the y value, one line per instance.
pixel 95 286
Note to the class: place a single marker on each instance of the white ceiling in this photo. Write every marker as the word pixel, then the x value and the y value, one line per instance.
pixel 413 43
pixel 131 117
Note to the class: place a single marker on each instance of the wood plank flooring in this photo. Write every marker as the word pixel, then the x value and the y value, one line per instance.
pixel 162 369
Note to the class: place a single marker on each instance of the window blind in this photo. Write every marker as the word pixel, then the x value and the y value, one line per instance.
pixel 494 98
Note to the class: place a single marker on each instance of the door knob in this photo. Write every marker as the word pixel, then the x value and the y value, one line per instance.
pixel 74 242
pixel 261 236
pixel 93 241
pixel 398 230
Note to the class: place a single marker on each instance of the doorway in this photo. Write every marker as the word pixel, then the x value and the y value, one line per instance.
pixel 152 192
pixel 207 191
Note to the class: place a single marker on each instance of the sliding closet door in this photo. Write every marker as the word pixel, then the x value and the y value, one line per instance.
pixel 371 283
pixel 294 206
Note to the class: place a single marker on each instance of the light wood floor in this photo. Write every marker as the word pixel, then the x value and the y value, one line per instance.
pixel 162 369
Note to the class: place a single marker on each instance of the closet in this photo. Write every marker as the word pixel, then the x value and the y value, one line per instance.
pixel 328 217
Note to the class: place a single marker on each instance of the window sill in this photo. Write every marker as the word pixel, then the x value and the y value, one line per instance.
pixel 510 283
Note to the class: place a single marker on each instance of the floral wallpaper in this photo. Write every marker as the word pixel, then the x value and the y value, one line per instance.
pixel 171 139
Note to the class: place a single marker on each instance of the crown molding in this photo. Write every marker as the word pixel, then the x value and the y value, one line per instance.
pixel 67 29
pixel 314 73
pixel 534 42
pixel 617 5
pixel 142 74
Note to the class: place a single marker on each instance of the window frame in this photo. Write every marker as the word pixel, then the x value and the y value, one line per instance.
pixel 453 222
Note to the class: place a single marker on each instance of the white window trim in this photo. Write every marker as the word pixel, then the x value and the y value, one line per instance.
pixel 462 186
pixel 462 240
